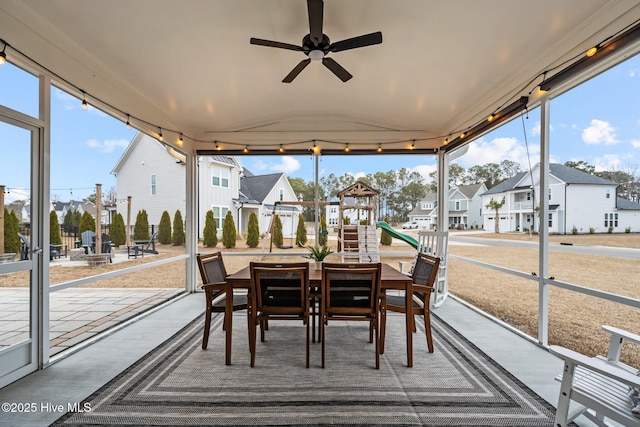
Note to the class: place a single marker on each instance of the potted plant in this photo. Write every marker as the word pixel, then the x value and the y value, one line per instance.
pixel 318 254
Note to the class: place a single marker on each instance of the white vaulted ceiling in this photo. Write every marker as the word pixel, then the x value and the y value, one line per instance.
pixel 187 66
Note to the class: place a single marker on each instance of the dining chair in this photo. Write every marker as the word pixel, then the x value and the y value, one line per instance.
pixel 425 273
pixel 279 291
pixel 214 275
pixel 351 292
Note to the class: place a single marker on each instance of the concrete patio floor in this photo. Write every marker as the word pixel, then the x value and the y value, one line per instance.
pixel 73 378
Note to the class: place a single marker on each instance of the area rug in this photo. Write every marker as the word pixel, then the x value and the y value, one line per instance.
pixel 180 384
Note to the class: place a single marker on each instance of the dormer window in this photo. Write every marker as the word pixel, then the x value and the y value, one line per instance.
pixel 219 176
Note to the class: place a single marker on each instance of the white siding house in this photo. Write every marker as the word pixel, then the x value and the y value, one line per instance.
pixel 425 212
pixel 577 201
pixel 259 194
pixel 155 180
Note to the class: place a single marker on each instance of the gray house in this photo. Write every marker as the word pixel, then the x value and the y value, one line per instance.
pixel 464 203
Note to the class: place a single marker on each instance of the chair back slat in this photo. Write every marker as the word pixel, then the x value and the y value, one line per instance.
pixel 426 269
pixel 280 285
pixel 347 286
pixel 212 268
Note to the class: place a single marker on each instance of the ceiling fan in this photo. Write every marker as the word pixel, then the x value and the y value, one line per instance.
pixel 316 44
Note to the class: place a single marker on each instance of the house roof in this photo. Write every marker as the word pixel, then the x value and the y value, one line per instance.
pixel 220 89
pixel 575 176
pixel 566 174
pixel 508 185
pixel 624 204
pixel 257 187
pixel 470 190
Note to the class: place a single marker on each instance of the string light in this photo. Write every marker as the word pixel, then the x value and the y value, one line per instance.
pixel 3 56
pixel 246 149
pixel 281 149
pixel 128 123
pixel 491 116
pixel 181 140
pixel 160 137
pixel 379 148
pixel 413 145
pixel 347 149
pixel 85 106
pixel 592 51
pixel 462 135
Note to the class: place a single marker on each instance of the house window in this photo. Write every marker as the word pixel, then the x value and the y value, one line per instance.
pixel 549 194
pixel 457 205
pixel 608 195
pixel 153 185
pixel 219 213
pixel 528 196
pixel 550 220
pixel 219 176
pixel 610 220
pixel 281 194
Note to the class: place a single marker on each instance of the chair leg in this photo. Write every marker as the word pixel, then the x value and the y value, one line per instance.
pixel 371 331
pixel 252 339
pixel 377 332
pixel 263 326
pixel 207 326
pixel 427 331
pixel 308 332
pixel 322 337
pixel 383 327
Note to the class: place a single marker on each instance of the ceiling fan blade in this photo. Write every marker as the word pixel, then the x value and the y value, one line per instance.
pixel 279 45
pixel 336 69
pixel 355 42
pixel 296 70
pixel 315 9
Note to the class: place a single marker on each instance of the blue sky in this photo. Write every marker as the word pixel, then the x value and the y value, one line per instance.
pixel 598 122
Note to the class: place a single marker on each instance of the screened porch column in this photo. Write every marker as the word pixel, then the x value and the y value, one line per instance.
pixel 191 226
pixel 443 191
pixel 543 250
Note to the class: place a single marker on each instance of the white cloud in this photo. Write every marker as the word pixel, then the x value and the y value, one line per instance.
pixel 287 165
pixel 108 145
pixel 599 132
pixel 607 162
pixel 635 143
pixel 535 130
pixel 482 152
pixel 425 170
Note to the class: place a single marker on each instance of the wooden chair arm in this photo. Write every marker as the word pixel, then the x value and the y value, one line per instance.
pixel 217 286
pixel 422 288
pixel 596 365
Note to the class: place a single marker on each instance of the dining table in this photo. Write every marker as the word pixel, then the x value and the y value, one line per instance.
pixel 390 279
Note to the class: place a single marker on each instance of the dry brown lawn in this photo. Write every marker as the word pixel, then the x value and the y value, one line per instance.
pixel 574 319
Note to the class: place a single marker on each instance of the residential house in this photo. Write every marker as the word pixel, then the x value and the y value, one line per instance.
pixel 259 194
pixel 425 212
pixel 577 201
pixel 465 208
pixel 153 176
pixel 332 212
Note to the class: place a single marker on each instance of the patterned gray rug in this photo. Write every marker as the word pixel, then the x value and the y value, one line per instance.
pixel 180 384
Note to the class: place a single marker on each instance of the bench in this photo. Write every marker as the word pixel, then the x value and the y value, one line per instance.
pixel 134 251
pixel 599 385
